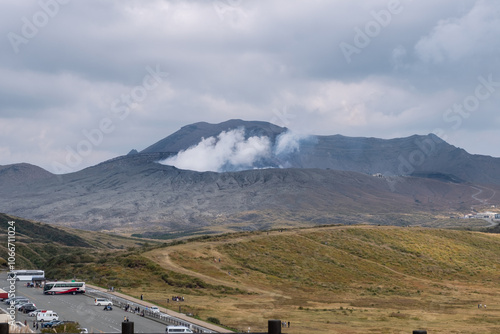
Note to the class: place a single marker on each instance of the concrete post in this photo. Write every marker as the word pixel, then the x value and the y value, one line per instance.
pixel 127 327
pixel 4 328
pixel 274 327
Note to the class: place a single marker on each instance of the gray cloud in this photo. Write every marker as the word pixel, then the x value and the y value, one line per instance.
pixel 241 59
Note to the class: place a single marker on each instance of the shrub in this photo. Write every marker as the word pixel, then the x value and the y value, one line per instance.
pixel 213 320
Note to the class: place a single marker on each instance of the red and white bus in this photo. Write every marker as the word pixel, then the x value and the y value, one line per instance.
pixel 57 288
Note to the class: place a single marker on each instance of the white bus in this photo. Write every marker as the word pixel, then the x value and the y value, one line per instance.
pixel 26 275
pixel 57 288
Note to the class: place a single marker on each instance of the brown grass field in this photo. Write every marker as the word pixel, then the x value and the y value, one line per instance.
pixel 357 279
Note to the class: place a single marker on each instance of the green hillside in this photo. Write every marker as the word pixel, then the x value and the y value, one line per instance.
pixel 332 279
pixel 360 279
pixel 58 251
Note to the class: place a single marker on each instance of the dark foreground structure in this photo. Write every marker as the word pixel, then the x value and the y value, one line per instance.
pixel 274 327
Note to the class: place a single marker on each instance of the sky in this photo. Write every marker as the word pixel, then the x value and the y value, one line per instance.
pixel 83 81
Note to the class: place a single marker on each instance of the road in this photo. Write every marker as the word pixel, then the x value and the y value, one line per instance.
pixel 81 308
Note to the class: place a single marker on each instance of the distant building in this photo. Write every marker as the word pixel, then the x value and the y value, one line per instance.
pixel 486 215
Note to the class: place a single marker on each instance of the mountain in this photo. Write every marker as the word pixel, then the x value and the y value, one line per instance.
pixel 137 194
pixel 331 179
pixel 417 155
pixel 12 175
pixel 191 135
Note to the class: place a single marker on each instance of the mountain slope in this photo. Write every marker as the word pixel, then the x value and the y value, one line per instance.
pixel 22 173
pixel 415 155
pixel 134 193
pixel 192 134
pixel 331 182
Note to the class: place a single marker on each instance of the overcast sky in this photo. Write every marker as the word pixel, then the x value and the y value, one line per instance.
pixel 85 81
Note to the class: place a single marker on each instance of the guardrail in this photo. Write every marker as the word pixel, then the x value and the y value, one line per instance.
pixel 274 327
pixel 143 311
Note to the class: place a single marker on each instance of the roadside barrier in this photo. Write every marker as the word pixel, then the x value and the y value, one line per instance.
pixel 274 327
pixel 157 316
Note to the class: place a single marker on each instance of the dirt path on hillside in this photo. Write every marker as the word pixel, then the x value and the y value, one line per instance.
pixel 162 257
pixel 480 190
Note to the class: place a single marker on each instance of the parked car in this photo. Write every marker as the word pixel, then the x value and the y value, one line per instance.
pixel 102 301
pixel 177 329
pixel 51 324
pixel 14 299
pixel 7 300
pixel 20 302
pixel 47 315
pixel 154 309
pixel 28 307
pixel 34 312
pixel 84 330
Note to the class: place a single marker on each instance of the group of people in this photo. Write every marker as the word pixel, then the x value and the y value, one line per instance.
pixel 285 324
pixel 136 310
pixel 32 285
pixel 177 298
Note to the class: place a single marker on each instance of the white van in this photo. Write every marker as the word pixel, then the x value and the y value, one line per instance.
pixel 46 316
pixel 178 329
pixel 102 301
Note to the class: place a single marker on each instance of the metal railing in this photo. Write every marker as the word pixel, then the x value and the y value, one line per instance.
pixel 274 327
pixel 145 312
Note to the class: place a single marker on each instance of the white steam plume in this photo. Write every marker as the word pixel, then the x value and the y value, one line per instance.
pixel 287 143
pixel 228 151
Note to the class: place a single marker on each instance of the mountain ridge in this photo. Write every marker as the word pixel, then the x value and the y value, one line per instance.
pixel 419 154
pixel 330 179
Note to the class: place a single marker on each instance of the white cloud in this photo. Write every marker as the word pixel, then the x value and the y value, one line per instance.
pixel 473 35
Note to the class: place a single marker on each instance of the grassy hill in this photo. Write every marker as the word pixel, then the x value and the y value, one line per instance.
pixel 358 279
pixel 334 279
pixel 60 251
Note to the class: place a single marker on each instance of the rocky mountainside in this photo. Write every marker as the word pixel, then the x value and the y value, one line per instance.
pixel 331 179
pixel 192 134
pixel 137 194
pixel 418 155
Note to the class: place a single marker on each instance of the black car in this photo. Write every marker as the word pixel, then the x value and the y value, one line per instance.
pixel 27 308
